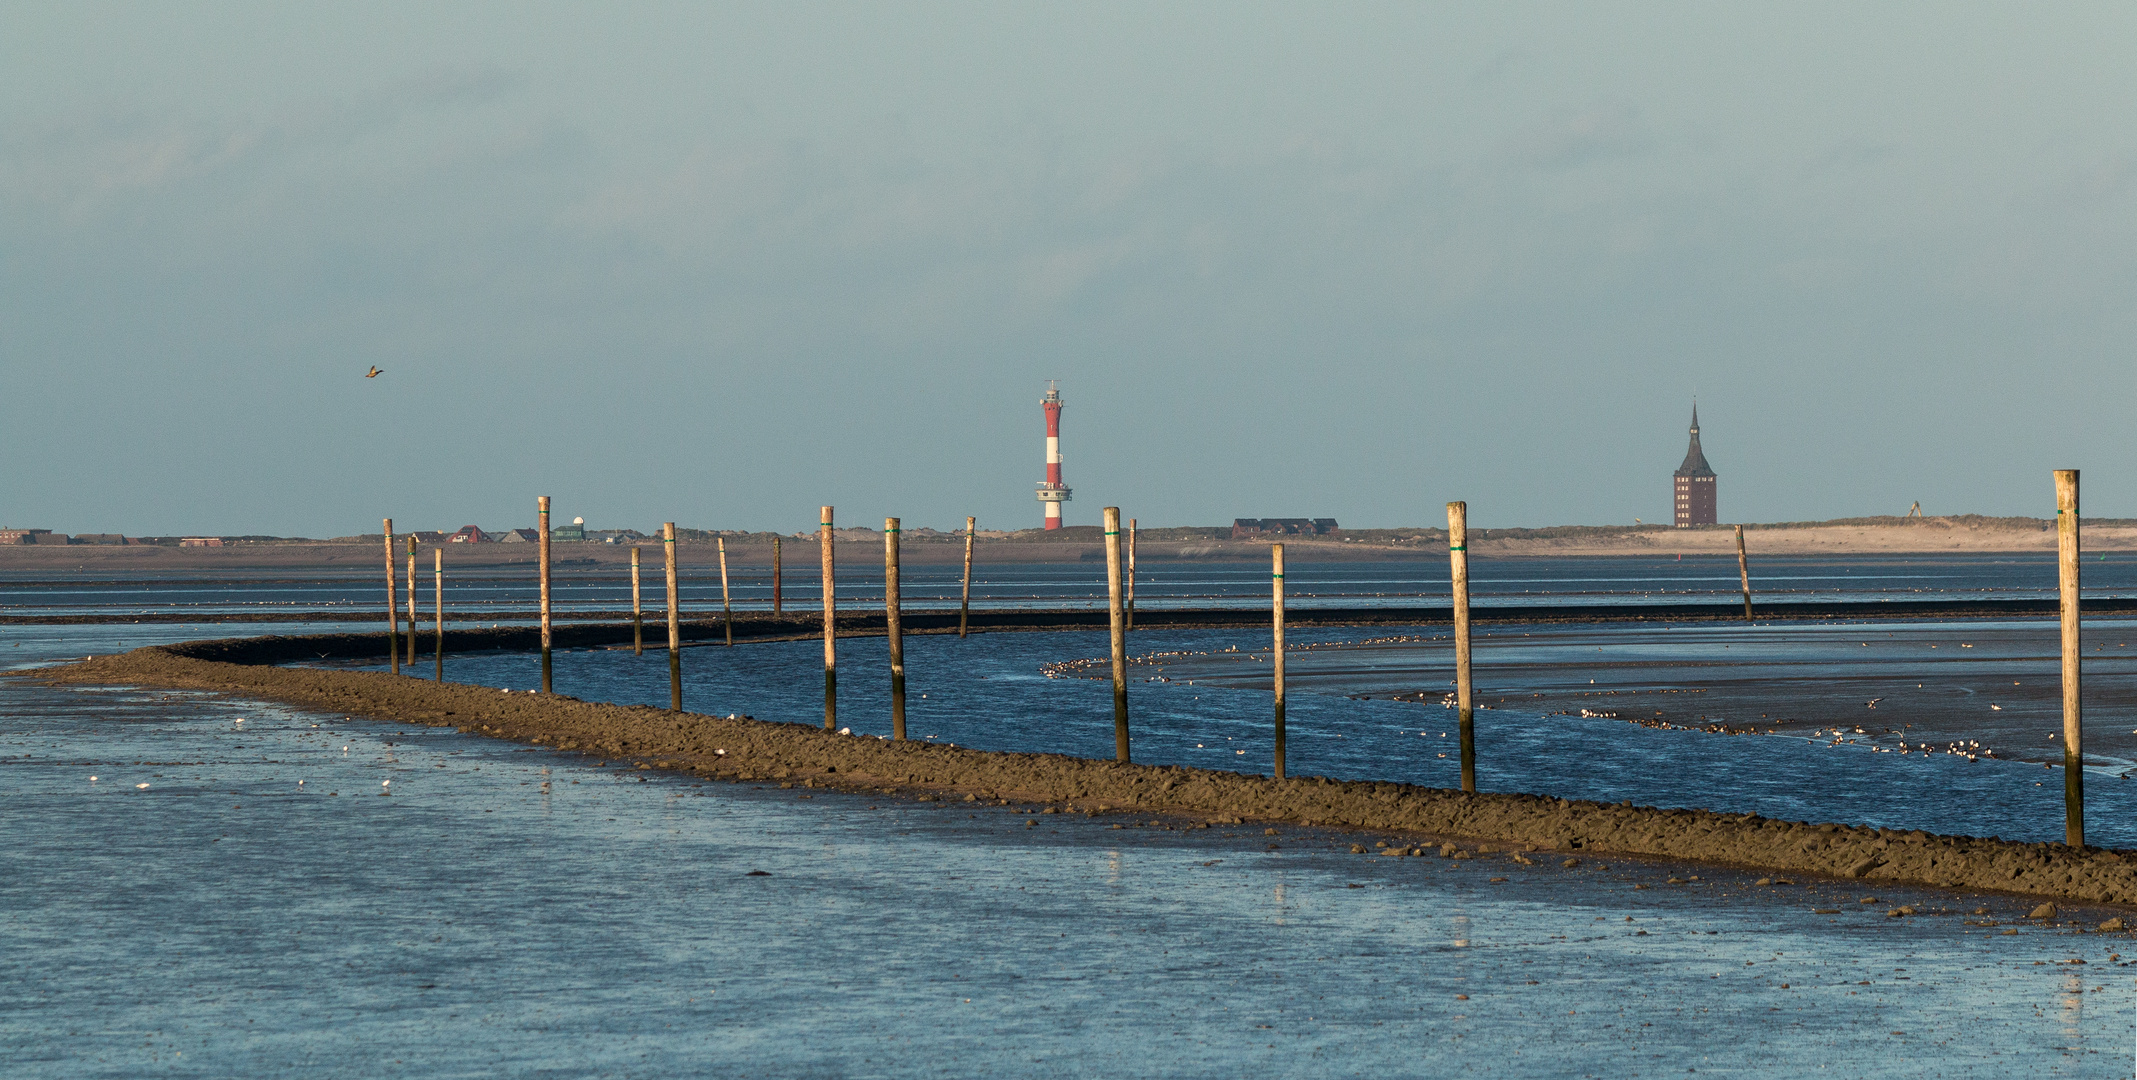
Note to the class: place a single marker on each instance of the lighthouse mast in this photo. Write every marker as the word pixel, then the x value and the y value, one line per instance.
pixel 1052 491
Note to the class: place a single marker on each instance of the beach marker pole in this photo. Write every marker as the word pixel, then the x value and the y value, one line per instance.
pixel 393 606
pixel 1130 617
pixel 964 599
pixel 437 595
pixel 778 605
pixel 2066 549
pixel 1276 610
pixel 1119 626
pixel 1743 570
pixel 411 603
pixel 727 607
pixel 1458 556
pixel 830 629
pixel 638 611
pixel 675 623
pixel 892 601
pixel 541 504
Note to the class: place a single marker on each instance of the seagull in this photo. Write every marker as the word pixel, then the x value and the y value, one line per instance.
pixel 1873 702
pixel 375 372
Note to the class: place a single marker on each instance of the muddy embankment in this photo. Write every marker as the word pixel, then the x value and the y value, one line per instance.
pixel 740 749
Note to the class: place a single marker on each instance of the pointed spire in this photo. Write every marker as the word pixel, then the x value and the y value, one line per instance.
pixel 1695 461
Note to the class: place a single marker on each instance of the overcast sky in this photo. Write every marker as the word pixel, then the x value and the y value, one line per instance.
pixel 724 263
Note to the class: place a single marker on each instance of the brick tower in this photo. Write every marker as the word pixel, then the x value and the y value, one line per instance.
pixel 1695 484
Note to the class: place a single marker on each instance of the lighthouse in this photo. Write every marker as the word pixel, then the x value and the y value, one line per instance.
pixel 1052 492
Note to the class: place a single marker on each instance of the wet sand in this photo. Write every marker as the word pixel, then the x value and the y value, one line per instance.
pixel 1418 820
pixel 508 911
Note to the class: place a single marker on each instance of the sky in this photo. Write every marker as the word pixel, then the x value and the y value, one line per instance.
pixel 722 264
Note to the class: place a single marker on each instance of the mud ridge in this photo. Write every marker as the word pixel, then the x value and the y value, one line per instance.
pixel 738 748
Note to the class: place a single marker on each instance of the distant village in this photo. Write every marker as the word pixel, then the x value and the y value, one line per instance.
pixel 467 534
pixel 577 532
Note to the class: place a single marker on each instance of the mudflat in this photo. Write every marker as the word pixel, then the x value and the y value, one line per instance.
pixel 1416 820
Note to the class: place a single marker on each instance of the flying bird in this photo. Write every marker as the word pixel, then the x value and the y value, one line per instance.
pixel 374 373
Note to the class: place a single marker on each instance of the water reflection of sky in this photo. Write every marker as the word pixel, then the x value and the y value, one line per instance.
pixel 514 912
pixel 986 691
pixel 1160 584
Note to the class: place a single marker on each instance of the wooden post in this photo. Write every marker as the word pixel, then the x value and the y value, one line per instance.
pixel 892 601
pixel 778 605
pixel 437 595
pixel 1743 570
pixel 675 623
pixel 964 598
pixel 1276 610
pixel 638 611
pixel 2066 549
pixel 830 629
pixel 727 607
pixel 393 606
pixel 1131 575
pixel 1458 555
pixel 542 511
pixel 1119 625
pixel 411 603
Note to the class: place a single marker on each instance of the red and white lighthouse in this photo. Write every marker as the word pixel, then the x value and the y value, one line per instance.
pixel 1052 491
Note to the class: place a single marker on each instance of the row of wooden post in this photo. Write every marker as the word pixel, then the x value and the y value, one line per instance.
pixel 1120 603
pixel 393 618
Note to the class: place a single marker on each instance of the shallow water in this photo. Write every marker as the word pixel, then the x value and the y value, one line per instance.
pixel 511 911
pixel 474 593
pixel 986 691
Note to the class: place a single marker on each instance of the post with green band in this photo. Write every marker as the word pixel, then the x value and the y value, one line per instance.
pixel 1120 634
pixel 1276 609
pixel 830 631
pixel 393 606
pixel 541 505
pixel 2066 544
pixel 894 629
pixel 675 621
pixel 1458 556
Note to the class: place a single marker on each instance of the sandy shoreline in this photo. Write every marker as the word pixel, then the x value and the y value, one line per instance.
pixel 1887 536
pixel 1415 818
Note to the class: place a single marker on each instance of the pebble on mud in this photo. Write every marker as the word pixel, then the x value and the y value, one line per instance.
pixel 2114 925
pixel 2045 911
